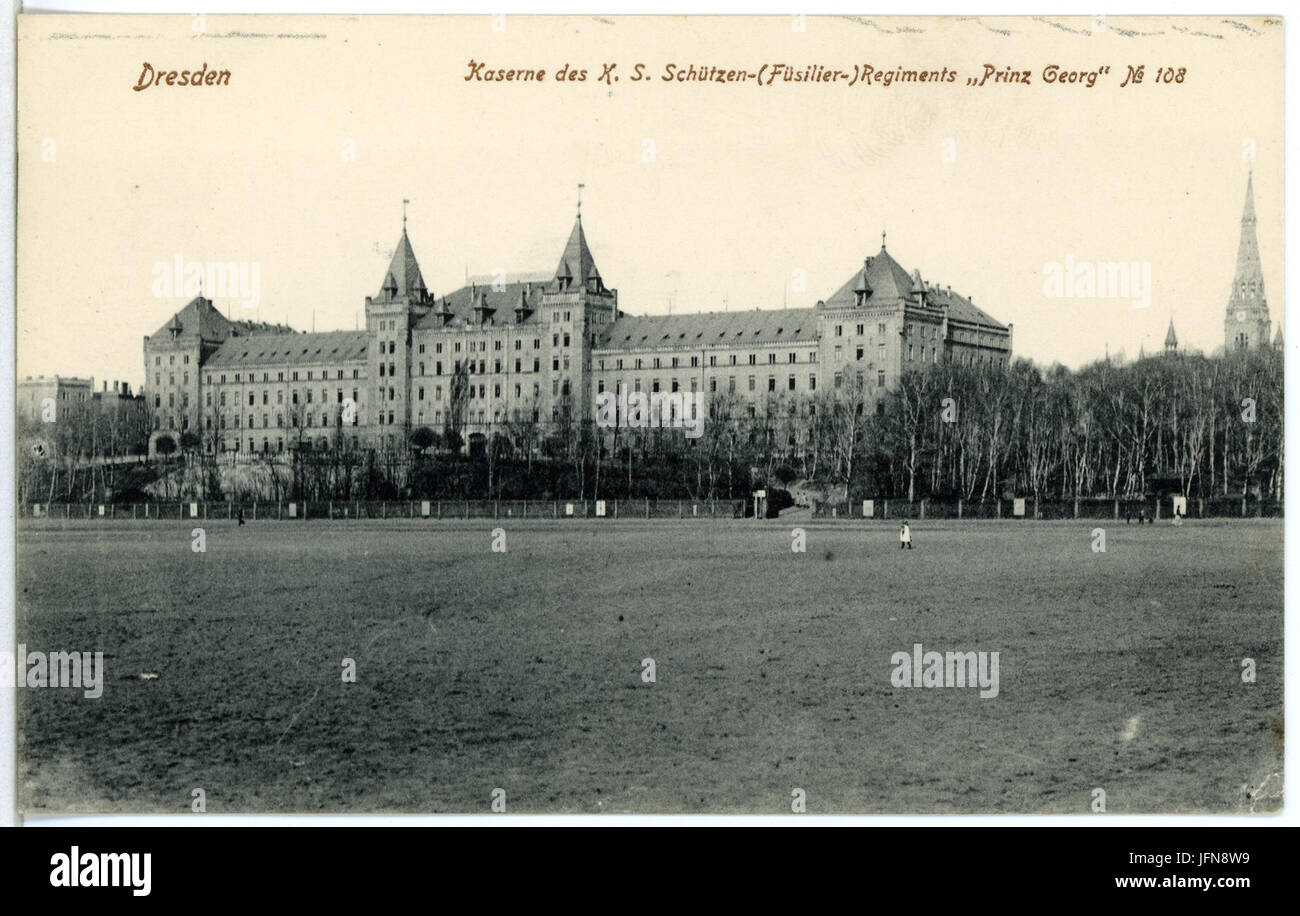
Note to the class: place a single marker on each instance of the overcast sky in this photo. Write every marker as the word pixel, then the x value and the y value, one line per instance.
pixel 704 196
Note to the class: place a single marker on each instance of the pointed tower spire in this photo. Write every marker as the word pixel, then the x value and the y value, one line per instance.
pixel 1171 339
pixel 577 267
pixel 404 277
pixel 1246 323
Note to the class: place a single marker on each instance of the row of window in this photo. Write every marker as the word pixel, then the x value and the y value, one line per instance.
pixel 279 376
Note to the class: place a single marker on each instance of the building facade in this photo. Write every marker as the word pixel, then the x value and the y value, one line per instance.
pixel 42 399
pixel 539 350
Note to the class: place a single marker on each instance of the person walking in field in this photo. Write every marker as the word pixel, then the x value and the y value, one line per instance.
pixel 905 536
pixel 241 517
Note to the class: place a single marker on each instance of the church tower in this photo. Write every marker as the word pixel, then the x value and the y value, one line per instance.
pixel 1246 323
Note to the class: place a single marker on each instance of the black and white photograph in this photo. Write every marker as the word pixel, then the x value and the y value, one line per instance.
pixel 607 416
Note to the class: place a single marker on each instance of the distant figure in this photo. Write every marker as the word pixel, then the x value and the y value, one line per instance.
pixel 905 536
pixel 1178 517
pixel 241 517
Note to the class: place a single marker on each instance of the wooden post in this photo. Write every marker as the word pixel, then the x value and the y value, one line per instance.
pixel 647 507
pixel 1117 509
pixel 1076 507
pixel 1200 507
pixel 922 508
pixel 958 507
pixel 254 510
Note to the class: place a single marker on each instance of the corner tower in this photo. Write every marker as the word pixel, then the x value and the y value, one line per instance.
pixel 576 307
pixel 402 300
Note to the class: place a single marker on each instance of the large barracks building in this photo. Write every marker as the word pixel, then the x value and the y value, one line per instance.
pixel 539 350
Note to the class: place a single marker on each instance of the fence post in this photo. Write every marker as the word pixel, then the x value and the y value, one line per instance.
pixel 1117 509
pixel 1076 507
pixel 886 508
pixel 496 509
pixel 647 507
pixel 1200 507
pixel 1157 508
pixel 922 508
pixel 959 507
pixel 1243 507
pixel 254 510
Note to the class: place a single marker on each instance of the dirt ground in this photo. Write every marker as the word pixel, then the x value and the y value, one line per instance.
pixel 524 670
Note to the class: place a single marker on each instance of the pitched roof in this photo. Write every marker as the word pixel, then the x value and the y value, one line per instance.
pixel 501 298
pixel 702 329
pixel 960 308
pixel 403 277
pixel 889 283
pixel 576 263
pixel 1171 339
pixel 882 275
pixel 199 319
pixel 290 350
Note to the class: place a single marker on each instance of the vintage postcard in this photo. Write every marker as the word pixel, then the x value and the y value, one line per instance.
pixel 723 415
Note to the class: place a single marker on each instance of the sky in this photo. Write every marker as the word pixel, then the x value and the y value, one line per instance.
pixel 698 196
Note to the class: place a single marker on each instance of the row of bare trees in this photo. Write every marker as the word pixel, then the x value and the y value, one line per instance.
pixel 1191 424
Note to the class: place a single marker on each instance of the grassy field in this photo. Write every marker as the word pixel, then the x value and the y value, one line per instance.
pixel 522 670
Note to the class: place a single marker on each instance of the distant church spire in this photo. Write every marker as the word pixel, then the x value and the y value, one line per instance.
pixel 1246 323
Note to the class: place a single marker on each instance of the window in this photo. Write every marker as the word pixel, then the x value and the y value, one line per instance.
pixel 812 383
pixel 751 383
pixel 839 330
pixel 771 383
pixel 880 379
pixel 791 385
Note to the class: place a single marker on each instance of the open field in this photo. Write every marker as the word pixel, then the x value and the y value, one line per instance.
pixel 522 670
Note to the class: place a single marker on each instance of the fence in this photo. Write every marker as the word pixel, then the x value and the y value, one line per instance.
pixel 395 509
pixel 1050 509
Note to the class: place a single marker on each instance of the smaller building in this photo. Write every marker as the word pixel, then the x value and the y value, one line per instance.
pixel 44 399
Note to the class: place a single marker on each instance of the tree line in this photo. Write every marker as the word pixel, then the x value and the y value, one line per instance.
pixel 1190 424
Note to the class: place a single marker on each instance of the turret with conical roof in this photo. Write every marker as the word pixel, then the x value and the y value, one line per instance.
pixel 577 267
pixel 403 279
pixel 1171 340
pixel 403 299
